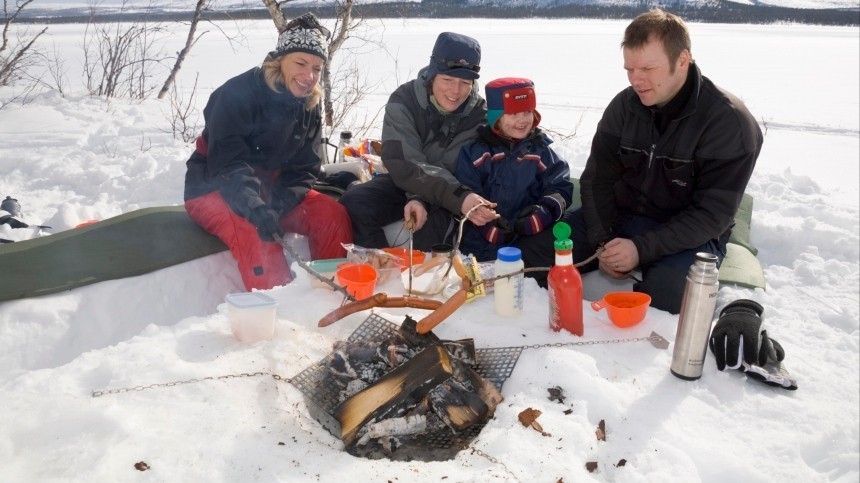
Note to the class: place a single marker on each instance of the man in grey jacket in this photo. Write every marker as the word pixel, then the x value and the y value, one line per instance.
pixel 426 122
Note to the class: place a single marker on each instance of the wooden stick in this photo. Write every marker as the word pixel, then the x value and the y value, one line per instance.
pixel 311 271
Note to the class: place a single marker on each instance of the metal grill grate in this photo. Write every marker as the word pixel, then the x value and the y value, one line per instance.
pixel 321 395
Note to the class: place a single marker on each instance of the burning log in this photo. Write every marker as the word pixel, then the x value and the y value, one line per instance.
pixel 405 385
pixel 458 407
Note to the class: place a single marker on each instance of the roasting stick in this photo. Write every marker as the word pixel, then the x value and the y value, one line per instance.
pixel 410 225
pixel 436 317
pixel 311 271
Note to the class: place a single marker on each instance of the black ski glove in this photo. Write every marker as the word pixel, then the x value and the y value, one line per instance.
pixel 735 338
pixel 737 344
pixel 770 369
pixel 266 220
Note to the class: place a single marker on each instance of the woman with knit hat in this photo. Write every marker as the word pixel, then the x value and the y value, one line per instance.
pixel 250 177
pixel 512 165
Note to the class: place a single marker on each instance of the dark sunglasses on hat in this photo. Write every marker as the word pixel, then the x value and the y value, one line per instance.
pixel 308 22
pixel 459 64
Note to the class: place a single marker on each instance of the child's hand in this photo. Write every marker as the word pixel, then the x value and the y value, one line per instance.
pixel 498 232
pixel 533 220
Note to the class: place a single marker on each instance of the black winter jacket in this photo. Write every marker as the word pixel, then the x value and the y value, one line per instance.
pixel 260 147
pixel 420 145
pixel 691 178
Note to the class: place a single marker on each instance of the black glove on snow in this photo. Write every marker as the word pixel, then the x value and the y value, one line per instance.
pixel 735 338
pixel 266 220
pixel 770 369
pixel 737 344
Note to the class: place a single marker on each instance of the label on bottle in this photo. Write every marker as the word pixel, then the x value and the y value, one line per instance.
pixel 508 292
pixel 564 290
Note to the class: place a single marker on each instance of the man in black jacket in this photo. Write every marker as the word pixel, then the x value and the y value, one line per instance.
pixel 668 167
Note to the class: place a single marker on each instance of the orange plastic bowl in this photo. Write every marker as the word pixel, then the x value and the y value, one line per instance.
pixel 625 309
pixel 359 279
pixel 403 255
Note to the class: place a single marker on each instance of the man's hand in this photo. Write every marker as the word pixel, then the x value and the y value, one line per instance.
pixel 619 258
pixel 482 215
pixel 414 215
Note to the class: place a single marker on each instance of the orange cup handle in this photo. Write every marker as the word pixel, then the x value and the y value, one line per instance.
pixel 598 305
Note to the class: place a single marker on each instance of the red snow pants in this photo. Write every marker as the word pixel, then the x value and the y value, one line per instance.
pixel 262 264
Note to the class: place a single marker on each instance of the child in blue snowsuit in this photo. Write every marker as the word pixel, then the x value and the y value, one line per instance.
pixel 512 165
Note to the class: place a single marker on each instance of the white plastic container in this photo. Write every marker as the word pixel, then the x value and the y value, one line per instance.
pixel 252 316
pixel 508 292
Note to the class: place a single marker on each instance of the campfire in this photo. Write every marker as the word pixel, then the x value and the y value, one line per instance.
pixel 389 392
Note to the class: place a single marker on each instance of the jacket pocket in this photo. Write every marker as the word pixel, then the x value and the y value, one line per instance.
pixel 678 174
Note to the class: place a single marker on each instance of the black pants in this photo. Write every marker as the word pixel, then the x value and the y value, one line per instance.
pixel 379 202
pixel 662 279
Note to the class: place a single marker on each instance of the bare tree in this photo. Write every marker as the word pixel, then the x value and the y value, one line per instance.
pixel 15 59
pixel 276 13
pixel 190 40
pixel 120 59
pixel 183 115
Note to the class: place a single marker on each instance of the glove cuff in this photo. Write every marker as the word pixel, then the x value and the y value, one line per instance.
pixel 743 305
pixel 554 204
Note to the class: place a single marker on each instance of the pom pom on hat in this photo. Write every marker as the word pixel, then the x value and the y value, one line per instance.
pixel 509 95
pixel 456 55
pixel 303 34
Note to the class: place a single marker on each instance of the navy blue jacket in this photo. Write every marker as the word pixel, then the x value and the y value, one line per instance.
pixel 260 147
pixel 515 175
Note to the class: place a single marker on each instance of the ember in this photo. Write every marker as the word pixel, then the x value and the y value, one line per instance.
pixel 389 392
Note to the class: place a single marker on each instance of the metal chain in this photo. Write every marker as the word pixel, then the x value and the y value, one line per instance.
pixel 491 459
pixel 654 337
pixel 122 390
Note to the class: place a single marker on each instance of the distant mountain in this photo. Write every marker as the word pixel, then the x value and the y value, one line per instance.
pixel 833 12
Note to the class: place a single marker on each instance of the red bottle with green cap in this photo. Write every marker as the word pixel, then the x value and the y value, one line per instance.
pixel 564 285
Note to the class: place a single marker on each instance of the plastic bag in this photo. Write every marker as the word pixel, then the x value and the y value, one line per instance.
pixel 387 266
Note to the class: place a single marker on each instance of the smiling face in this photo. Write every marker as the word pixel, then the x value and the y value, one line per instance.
pixel 516 126
pixel 654 78
pixel 450 92
pixel 301 72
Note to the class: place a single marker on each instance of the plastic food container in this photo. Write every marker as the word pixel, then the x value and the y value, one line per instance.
pixel 252 316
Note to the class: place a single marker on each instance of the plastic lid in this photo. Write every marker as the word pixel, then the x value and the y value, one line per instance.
pixel 510 254
pixel 346 135
pixel 247 300
pixel 561 231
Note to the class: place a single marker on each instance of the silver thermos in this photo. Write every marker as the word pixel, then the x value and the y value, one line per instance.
pixel 694 321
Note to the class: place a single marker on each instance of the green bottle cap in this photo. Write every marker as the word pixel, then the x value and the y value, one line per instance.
pixel 561 230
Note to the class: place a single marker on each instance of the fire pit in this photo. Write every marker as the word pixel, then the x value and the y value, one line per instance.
pixel 324 395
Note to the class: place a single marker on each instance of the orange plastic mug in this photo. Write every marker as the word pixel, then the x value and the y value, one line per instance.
pixel 359 279
pixel 403 255
pixel 625 309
